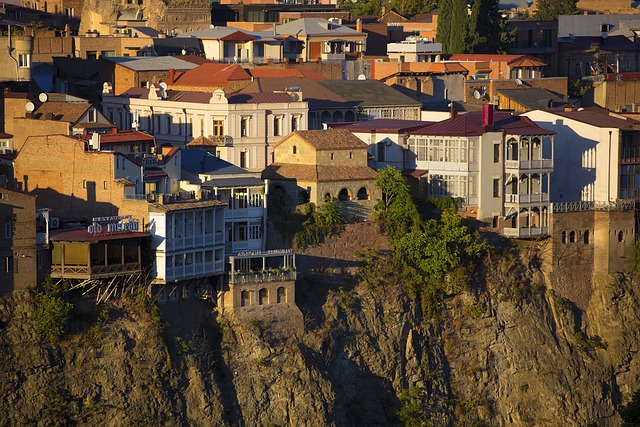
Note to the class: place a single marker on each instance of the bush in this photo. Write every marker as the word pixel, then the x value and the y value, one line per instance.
pixel 52 314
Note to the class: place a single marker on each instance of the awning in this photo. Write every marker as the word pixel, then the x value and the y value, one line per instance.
pixel 156 175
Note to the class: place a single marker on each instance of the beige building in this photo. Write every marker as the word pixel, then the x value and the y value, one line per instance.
pixel 311 166
pixel 15 55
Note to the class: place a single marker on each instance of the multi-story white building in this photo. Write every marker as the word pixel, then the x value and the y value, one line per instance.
pixel 597 155
pixel 245 127
pixel 414 49
pixel 499 165
pixel 188 240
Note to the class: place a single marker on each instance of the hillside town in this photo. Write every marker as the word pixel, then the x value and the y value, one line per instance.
pixel 154 144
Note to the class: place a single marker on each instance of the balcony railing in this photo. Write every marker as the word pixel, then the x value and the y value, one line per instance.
pixel 528 164
pixel 93 272
pixel 190 271
pixel 263 276
pixel 333 56
pixel 224 140
pixel 526 232
pixel 526 198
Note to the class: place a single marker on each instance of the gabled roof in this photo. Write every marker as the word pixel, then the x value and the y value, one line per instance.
pixel 199 162
pixel 316 95
pixel 599 117
pixel 212 74
pixel 201 141
pixel 470 124
pixel 381 126
pixel 264 72
pixel 152 63
pixel 314 27
pixel 62 111
pixel 532 98
pixel 213 33
pixel 315 173
pixel 512 60
pixel 330 139
pixel 238 36
pixel 368 93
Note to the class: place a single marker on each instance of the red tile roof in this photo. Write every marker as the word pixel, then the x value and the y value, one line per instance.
pixel 211 74
pixel 470 124
pixel 123 136
pixel 600 118
pixel 238 36
pixel 264 72
pixel 318 173
pixel 513 60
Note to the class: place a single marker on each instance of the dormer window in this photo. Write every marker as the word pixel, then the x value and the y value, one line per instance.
pixel 604 28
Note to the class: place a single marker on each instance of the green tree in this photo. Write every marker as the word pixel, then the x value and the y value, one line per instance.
pixel 630 413
pixel 52 314
pixel 485 19
pixel 459 27
pixel 396 210
pixel 551 9
pixel 361 7
pixel 412 7
pixel 444 23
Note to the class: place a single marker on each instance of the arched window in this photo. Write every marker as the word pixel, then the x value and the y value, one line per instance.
pixel 263 296
pixel 586 237
pixel 363 194
pixel 343 196
pixel 281 295
pixel 245 300
pixel 304 196
pixel 620 236
pixel 349 116
pixel 327 197
pixel 295 149
pixel 325 117
pixel 572 236
pixel 337 116
pixel 564 237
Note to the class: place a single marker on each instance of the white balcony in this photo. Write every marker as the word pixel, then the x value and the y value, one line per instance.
pixel 526 198
pixel 520 165
pixel 526 232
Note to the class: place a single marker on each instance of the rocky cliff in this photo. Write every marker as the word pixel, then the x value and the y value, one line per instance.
pixel 508 352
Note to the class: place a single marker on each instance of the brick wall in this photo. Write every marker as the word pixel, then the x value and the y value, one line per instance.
pixel 18 251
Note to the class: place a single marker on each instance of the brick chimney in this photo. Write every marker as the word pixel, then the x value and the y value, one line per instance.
pixel 487 117
pixel 452 111
pixel 358 25
pixel 172 76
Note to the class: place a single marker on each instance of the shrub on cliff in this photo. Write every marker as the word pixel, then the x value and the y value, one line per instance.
pixel 52 314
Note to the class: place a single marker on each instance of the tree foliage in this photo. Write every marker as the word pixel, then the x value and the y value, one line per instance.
pixel 52 314
pixel 319 224
pixel 452 25
pixel 396 210
pixel 630 413
pixel 551 9
pixel 484 22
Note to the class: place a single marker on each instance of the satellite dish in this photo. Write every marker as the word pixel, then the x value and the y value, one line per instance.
pixel 30 107
pixel 163 90
pixel 518 82
pixel 163 86
pixel 362 77
pixel 43 97
pixel 476 94
pixel 184 52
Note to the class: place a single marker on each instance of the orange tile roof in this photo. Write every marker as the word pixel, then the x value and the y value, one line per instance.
pixel 527 61
pixel 202 141
pixel 513 60
pixel 318 173
pixel 329 139
pixel 212 74
pixel 239 36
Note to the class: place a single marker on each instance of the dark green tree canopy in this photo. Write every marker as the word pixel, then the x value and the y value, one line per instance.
pixel 551 9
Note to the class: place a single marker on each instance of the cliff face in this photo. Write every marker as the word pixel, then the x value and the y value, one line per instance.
pixel 506 353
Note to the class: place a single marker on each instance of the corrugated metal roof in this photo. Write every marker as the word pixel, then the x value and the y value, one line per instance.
pixel 368 93
pixel 599 117
pixel 383 126
pixel 233 182
pixel 470 124
pixel 211 73
pixel 532 98
pixel 152 63
pixel 198 162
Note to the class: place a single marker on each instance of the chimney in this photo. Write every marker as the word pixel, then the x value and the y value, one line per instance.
pixel 114 130
pixel 172 76
pixel 568 107
pixel 487 117
pixel 49 116
pixel 358 25
pixel 452 111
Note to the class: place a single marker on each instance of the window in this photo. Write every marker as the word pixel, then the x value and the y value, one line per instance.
pixel 496 153
pixel 218 127
pixel 586 237
pixel 572 236
pixel 243 159
pixel 276 126
pixel 69 12
pixel 381 151
pixel 104 185
pixel 8 264
pixel 496 187
pixel 92 54
pixel 8 230
pixel 244 126
pixel 604 28
pixel 24 60
pixel 294 123
pixel 84 183
pixel 295 149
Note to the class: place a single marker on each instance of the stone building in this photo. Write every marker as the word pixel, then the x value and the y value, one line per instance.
pixel 20 262
pixel 312 166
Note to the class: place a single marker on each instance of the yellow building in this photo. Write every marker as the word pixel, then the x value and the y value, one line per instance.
pixel 313 165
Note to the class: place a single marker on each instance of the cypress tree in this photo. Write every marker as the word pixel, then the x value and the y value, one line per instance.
pixel 484 27
pixel 459 23
pixel 444 24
